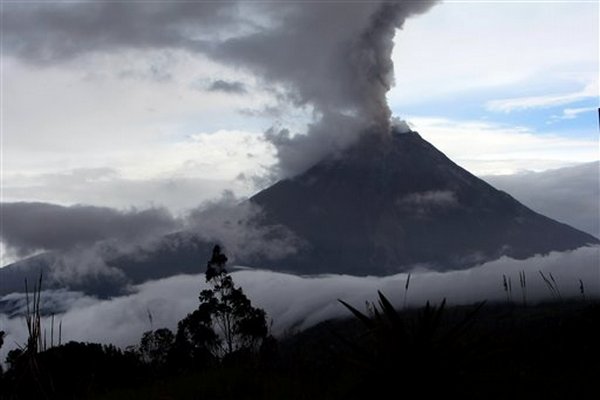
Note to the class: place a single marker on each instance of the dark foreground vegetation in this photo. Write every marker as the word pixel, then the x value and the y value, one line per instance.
pixel 223 351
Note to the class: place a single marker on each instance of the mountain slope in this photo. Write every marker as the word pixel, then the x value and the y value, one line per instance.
pixel 392 202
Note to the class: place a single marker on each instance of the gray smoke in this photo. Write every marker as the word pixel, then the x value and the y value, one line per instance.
pixel 331 58
pixel 236 225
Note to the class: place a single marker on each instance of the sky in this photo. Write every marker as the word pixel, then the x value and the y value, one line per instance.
pixel 135 105
pixel 502 86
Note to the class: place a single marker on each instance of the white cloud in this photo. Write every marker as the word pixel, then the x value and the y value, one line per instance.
pixel 5 257
pixel 459 47
pixel 570 195
pixel 71 116
pixel 177 193
pixel 486 148
pixel 300 302
pixel 590 91
pixel 572 113
pixel 179 175
pixel 422 204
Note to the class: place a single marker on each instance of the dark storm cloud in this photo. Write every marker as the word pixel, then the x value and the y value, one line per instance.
pixel 29 227
pixel 58 31
pixel 86 238
pixel 332 57
pixel 234 87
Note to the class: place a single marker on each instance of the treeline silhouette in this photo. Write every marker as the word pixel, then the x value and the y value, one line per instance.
pixel 223 350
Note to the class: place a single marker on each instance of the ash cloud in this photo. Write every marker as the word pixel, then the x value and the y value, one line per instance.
pixel 331 58
pixel 236 224
pixel 340 66
pixel 122 320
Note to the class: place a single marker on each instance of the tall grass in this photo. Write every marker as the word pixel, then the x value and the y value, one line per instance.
pixel 551 285
pixel 523 284
pixel 33 318
pixel 582 290
pixel 37 340
pixel 507 284
pixel 36 333
pixel 406 291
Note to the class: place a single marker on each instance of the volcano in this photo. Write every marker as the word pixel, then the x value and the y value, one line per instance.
pixel 388 204
pixel 392 203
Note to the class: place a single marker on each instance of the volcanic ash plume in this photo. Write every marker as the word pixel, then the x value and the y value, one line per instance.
pixel 330 58
pixel 333 57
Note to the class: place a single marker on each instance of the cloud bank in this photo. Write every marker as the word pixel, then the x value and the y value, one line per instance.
pixel 524 103
pixel 296 302
pixel 81 243
pixel 569 195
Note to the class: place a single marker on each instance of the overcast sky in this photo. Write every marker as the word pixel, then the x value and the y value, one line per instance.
pixel 125 104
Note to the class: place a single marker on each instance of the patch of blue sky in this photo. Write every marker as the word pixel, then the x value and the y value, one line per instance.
pixel 577 119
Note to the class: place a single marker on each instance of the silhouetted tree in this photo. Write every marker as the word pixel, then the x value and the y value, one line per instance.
pixel 155 347
pixel 1 343
pixel 225 322
pixel 195 341
pixel 70 371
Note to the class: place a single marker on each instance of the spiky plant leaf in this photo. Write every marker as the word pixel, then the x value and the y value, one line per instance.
pixel 362 317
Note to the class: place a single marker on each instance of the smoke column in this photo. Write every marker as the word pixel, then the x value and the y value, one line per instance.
pixel 334 57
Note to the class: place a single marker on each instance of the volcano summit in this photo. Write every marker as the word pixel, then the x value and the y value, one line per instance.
pixel 391 203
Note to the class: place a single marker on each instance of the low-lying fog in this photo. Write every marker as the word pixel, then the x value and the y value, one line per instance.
pixel 298 302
